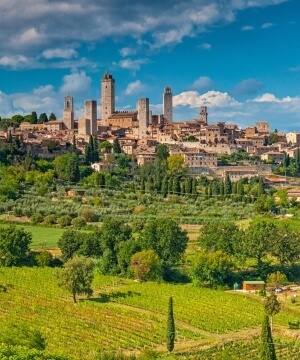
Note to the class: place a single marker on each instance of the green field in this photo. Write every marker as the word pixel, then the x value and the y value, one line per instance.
pixel 127 316
pixel 42 237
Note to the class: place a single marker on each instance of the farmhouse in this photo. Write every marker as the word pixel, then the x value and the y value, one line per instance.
pixel 253 285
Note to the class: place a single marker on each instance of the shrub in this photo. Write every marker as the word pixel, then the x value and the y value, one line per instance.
pixel 50 219
pixel 79 223
pixel 64 220
pixel 44 258
pixel 89 215
pixel 36 218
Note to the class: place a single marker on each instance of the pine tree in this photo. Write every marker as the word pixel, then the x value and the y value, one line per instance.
pixel 170 327
pixel 267 348
pixel 34 118
pixel 164 186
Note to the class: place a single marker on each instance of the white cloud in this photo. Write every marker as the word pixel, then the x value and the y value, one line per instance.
pixel 59 53
pixel 131 64
pixel 15 62
pixel 203 82
pixel 135 87
pixel 266 25
pixel 247 28
pixel 267 97
pixel 210 98
pixel 127 51
pixel 205 46
pixel 76 84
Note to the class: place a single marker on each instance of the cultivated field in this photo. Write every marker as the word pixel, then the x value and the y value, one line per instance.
pixel 127 316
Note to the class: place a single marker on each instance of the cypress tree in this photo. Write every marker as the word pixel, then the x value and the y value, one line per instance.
pixel 267 348
pixel 170 327
pixel 227 185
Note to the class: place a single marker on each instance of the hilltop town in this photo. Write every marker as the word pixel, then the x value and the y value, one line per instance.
pixel 139 131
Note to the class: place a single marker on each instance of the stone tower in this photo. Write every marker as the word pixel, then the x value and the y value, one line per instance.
pixel 143 116
pixel 90 114
pixel 107 96
pixel 68 115
pixel 168 104
pixel 203 114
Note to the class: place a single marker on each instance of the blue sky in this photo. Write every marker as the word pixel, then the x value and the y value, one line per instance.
pixel 241 58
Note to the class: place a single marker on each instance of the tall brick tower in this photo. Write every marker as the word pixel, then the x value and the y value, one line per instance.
pixel 168 104
pixel 203 114
pixel 68 115
pixel 90 113
pixel 107 96
pixel 143 116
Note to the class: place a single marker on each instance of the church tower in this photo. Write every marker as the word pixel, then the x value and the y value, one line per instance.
pixel 203 115
pixel 168 104
pixel 68 115
pixel 107 96
pixel 143 116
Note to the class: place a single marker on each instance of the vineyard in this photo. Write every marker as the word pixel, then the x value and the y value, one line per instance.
pixel 123 315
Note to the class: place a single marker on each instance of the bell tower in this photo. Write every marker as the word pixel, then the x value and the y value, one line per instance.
pixel 107 96
pixel 168 104
pixel 68 115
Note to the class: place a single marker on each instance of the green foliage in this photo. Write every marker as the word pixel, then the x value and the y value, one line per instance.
pixel 272 306
pixel 212 269
pixel 67 167
pixel 145 265
pixel 220 235
pixel 23 353
pixel 267 348
pixel 64 221
pixel 44 258
pixel 14 245
pixel 23 335
pixel 52 117
pixel 170 327
pixel 42 118
pixel 77 276
pixel 276 279
pixel 116 146
pixel 166 238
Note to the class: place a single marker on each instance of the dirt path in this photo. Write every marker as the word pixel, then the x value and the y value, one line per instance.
pixel 209 338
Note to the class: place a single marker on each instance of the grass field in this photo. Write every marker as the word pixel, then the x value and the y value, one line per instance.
pixel 42 237
pixel 127 316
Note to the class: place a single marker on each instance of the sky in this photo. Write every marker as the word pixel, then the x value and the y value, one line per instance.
pixel 240 58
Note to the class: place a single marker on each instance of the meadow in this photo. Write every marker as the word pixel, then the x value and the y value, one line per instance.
pixel 123 315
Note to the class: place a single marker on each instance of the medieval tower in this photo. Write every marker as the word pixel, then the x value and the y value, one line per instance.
pixel 143 116
pixel 107 96
pixel 68 114
pixel 90 113
pixel 168 104
pixel 203 115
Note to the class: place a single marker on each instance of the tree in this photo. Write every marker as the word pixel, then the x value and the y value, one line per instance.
pixel 258 240
pixel 22 334
pixel 42 118
pixel 116 146
pixel 145 265
pixel 162 152
pixel 212 269
pixel 170 327
pixel 34 118
pixel 67 167
pixel 176 166
pixel 77 276
pixel 267 348
pixel 70 243
pixel 227 185
pixel 52 117
pixel 220 235
pixel 276 279
pixel 272 306
pixel 105 146
pixel 14 245
pixel 166 238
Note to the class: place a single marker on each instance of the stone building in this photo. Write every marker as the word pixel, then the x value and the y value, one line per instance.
pixel 143 116
pixel 68 114
pixel 107 97
pixel 168 105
